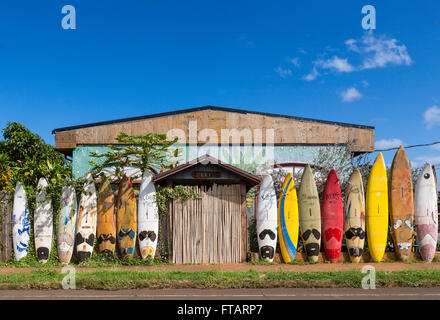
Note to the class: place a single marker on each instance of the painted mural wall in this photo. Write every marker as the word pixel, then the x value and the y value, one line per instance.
pixel 246 157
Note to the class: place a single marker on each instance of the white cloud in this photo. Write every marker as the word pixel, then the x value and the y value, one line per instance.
pixel 365 83
pixel 335 63
pixel 420 161
pixel 350 94
pixel 387 143
pixel 295 62
pixel 379 51
pixel 312 75
pixel 283 72
pixel 436 147
pixel 351 44
pixel 432 117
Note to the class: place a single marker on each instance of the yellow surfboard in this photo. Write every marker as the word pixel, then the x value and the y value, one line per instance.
pixel 377 209
pixel 288 223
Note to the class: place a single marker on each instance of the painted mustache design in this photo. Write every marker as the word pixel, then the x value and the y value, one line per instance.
pixel 265 232
pixel 150 234
pixel 125 251
pixel 355 252
pixel 399 222
pixel 126 232
pixel 309 232
pixel 355 232
pixel 333 233
pixel 80 239
pixel 312 249
pixel 267 252
pixel 404 245
pixel 106 237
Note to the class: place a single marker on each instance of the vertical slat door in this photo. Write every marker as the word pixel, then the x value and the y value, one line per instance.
pixel 208 230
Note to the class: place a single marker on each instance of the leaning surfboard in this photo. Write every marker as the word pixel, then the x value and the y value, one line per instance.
pixel 148 217
pixel 377 209
pixel 288 223
pixel 20 223
pixel 332 217
pixel 86 224
pixel 67 224
pixel 126 219
pixel 267 219
pixel 426 213
pixel 106 220
pixel 401 204
pixel 43 222
pixel 354 216
pixel 310 215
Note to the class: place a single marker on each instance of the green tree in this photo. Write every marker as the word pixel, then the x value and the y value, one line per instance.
pixel 141 151
pixel 26 158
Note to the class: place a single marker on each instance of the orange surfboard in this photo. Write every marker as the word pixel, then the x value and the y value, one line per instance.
pixel 106 228
pixel 401 204
pixel 126 219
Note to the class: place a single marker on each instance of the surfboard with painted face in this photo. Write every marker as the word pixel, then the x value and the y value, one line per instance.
pixel 354 216
pixel 86 223
pixel 126 219
pixel 43 222
pixel 106 224
pixel 310 215
pixel 267 219
pixel 67 224
pixel 401 204
pixel 332 217
pixel 148 217
pixel 426 213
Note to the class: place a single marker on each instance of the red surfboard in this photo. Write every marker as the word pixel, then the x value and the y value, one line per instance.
pixel 332 217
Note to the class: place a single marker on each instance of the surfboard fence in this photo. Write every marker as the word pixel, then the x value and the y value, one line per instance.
pixel 208 230
pixel 5 226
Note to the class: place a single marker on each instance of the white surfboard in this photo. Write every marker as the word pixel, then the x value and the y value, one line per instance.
pixel 148 217
pixel 67 224
pixel 267 219
pixel 87 219
pixel 20 223
pixel 426 213
pixel 43 222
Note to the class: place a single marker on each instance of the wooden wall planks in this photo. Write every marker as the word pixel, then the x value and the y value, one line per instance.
pixel 286 130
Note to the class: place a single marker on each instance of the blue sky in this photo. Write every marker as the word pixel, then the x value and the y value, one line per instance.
pixel 303 58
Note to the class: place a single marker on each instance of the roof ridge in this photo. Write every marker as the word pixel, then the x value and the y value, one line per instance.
pixel 203 108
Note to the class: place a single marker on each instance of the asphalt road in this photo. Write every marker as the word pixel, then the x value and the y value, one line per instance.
pixel 228 294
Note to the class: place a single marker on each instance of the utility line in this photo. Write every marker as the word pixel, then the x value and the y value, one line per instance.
pixel 408 147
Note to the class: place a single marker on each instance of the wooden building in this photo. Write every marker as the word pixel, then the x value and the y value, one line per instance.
pixel 207 130
pixel 212 229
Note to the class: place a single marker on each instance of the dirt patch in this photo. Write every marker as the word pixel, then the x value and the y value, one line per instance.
pixel 326 267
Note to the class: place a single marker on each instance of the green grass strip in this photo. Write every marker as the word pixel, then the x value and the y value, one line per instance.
pixel 130 279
